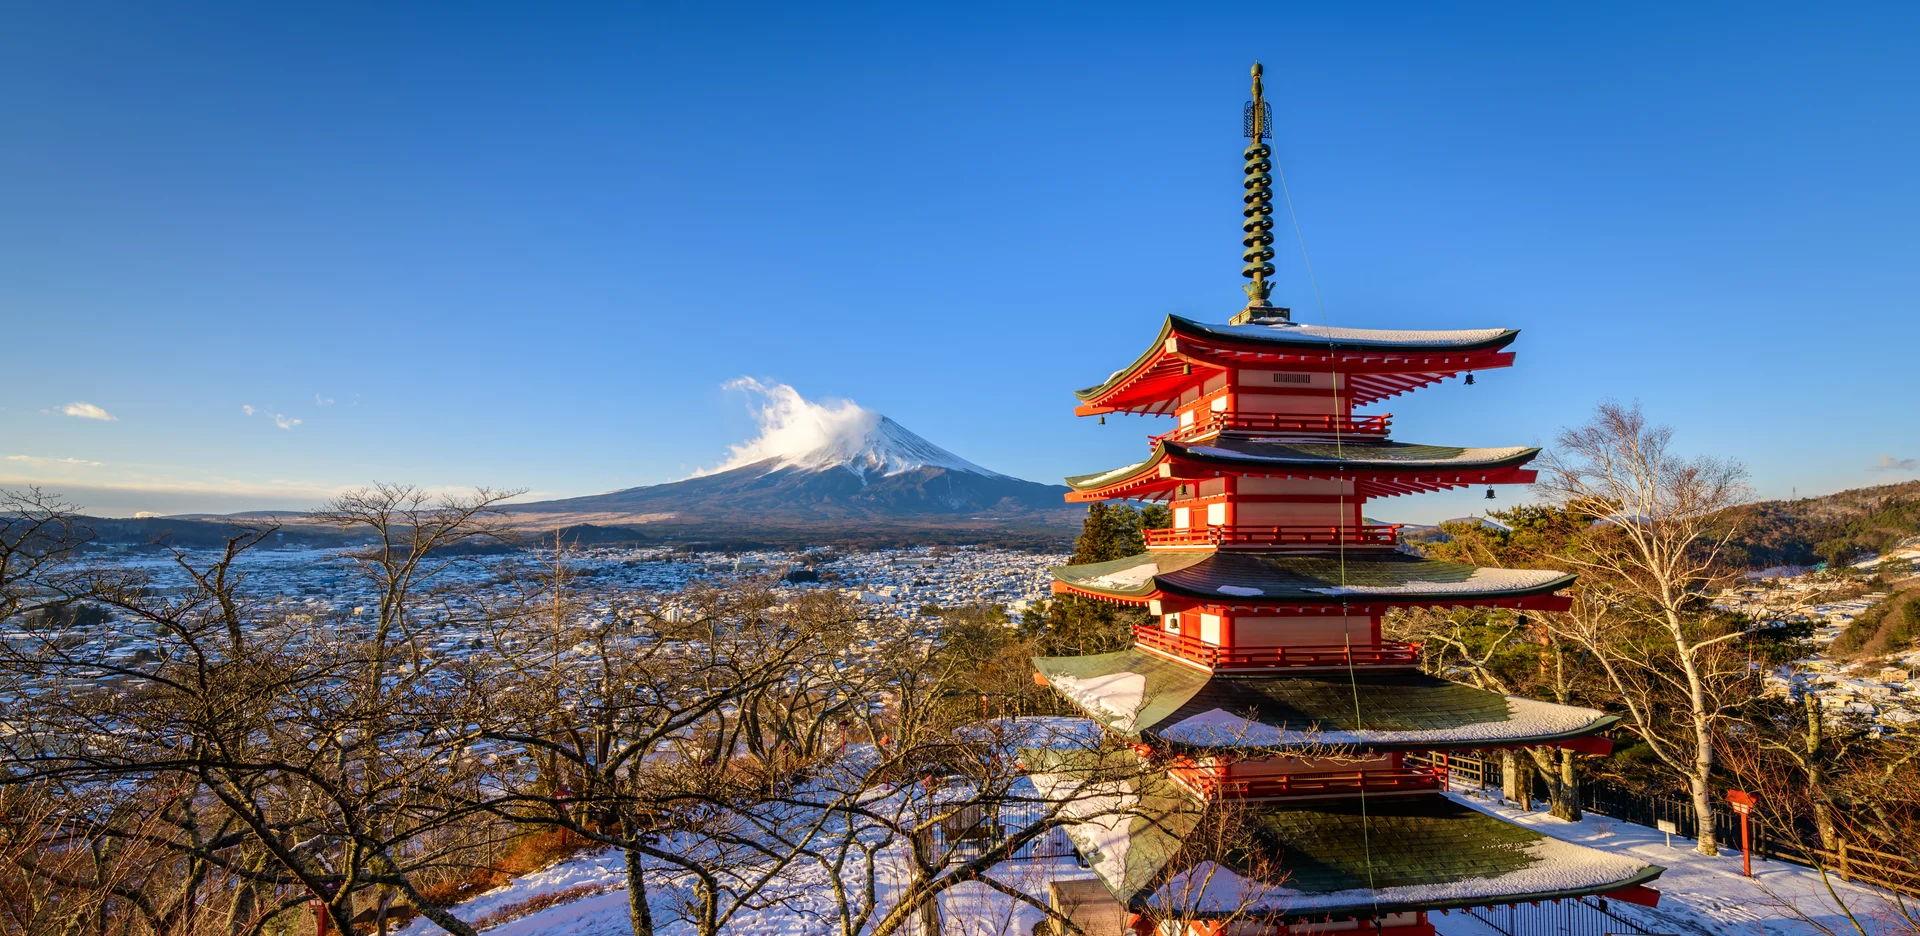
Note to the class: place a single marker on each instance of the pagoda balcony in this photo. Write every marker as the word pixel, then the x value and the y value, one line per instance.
pixel 1388 653
pixel 1210 785
pixel 1274 537
pixel 1363 427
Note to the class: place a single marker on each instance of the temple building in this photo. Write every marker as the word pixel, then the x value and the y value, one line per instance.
pixel 1262 691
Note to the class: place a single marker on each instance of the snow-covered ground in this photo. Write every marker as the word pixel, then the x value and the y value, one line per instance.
pixel 966 910
pixel 1701 896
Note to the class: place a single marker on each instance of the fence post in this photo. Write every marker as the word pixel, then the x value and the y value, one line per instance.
pixel 1843 861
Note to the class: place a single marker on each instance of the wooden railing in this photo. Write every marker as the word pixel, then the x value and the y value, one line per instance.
pixel 1893 872
pixel 1273 786
pixel 1276 537
pixel 1371 427
pixel 1386 653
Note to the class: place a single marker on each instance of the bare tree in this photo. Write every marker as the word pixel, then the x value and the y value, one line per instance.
pixel 666 729
pixel 309 757
pixel 39 534
pixel 1516 653
pixel 1653 556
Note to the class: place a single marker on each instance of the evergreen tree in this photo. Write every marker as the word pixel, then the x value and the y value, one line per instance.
pixel 1070 625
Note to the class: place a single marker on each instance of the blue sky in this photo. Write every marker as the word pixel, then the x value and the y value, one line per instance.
pixel 525 245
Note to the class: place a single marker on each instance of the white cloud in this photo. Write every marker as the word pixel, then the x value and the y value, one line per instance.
pixel 41 460
pixel 1890 463
pixel 281 420
pixel 88 411
pixel 792 425
pixel 319 400
pixel 246 408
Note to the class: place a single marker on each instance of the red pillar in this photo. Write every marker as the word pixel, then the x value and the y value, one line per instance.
pixel 1746 848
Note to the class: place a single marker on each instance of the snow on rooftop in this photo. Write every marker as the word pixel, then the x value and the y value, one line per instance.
pixel 1130 577
pixel 1526 718
pixel 1556 866
pixel 1294 331
pixel 1355 452
pixel 1120 695
pixel 1482 579
pixel 1106 476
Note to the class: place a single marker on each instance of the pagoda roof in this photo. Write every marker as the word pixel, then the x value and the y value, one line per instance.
pixel 1322 580
pixel 1157 848
pixel 1141 694
pixel 1447 465
pixel 1394 360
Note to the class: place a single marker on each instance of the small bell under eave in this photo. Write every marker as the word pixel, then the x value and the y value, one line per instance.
pixel 1489 492
pixel 1103 420
pixel 1186 370
pixel 1469 378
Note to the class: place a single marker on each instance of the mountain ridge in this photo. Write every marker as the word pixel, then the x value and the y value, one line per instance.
pixel 884 474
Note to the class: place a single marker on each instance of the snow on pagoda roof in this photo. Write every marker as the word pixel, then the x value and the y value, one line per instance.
pixel 1440 352
pixel 1322 336
pixel 1309 578
pixel 1261 455
pixel 1149 844
pixel 1144 695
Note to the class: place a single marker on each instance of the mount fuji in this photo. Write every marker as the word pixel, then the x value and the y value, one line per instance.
pixel 846 470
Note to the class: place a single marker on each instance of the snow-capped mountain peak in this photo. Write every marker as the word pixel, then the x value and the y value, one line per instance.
pixel 885 448
pixel 796 432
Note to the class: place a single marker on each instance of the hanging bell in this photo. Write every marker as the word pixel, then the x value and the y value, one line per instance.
pixel 1103 420
pixel 1489 492
pixel 1187 369
pixel 1469 378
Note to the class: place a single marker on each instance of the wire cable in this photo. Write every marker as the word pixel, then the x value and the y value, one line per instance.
pixel 1339 452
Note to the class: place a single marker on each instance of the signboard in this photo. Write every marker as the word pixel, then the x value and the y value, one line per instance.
pixel 1742 801
pixel 1668 826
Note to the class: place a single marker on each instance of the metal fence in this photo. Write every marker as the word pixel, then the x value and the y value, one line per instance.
pixel 1586 916
pixel 978 829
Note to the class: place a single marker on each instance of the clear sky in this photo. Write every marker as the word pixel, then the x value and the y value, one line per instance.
pixel 526 245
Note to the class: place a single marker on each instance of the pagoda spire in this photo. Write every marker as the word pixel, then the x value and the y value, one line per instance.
pixel 1259 198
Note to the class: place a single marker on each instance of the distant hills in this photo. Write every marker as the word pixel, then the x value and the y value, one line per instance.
pixel 1844 527
pixel 896 488
pixel 870 483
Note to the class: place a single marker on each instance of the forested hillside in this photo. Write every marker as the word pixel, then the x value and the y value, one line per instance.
pixel 1841 527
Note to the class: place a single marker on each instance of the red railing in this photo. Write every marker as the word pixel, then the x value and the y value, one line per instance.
pixel 1386 653
pixel 1209 423
pixel 1386 780
pixel 1277 536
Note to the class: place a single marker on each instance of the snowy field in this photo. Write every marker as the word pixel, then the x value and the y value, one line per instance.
pixel 1700 896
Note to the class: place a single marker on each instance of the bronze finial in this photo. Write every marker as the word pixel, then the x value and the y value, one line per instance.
pixel 1258 226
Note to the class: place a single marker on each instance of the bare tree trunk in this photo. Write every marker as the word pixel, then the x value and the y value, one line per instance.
pixel 639 912
pixel 1817 772
pixel 1566 793
pixel 1516 779
pixel 930 909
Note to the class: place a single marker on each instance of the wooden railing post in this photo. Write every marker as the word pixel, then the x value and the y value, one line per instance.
pixel 1843 860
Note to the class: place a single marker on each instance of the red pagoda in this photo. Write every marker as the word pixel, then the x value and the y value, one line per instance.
pixel 1265 650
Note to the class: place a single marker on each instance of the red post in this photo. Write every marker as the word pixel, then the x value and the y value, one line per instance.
pixel 1743 803
pixel 321 918
pixel 1746 848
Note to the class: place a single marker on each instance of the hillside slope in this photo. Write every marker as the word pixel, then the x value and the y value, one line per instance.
pixel 1841 527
